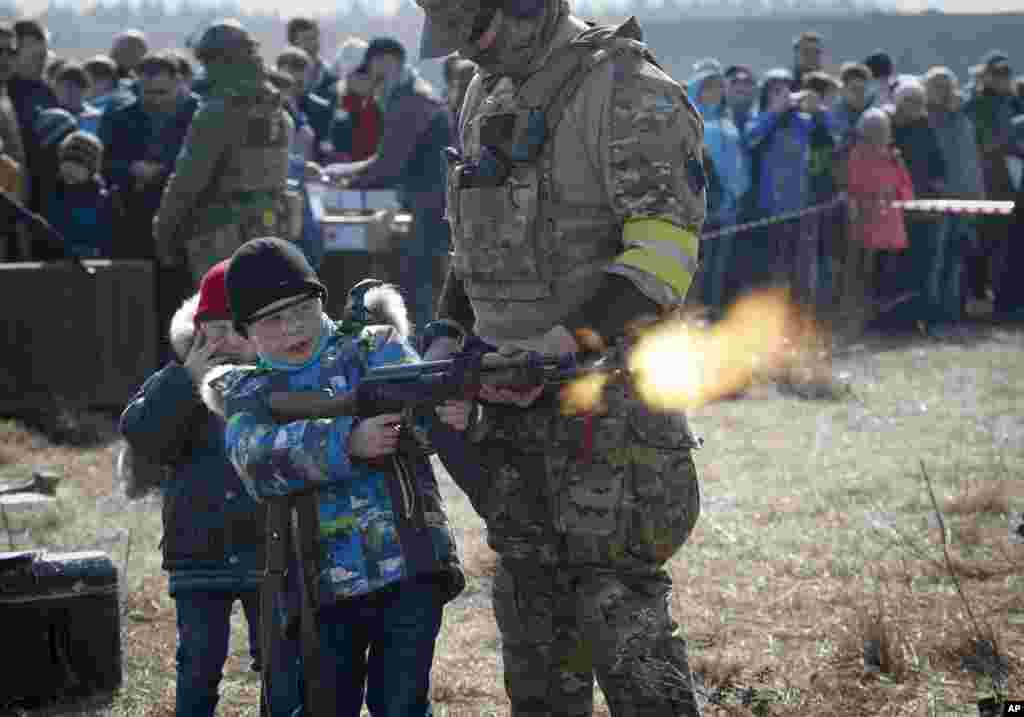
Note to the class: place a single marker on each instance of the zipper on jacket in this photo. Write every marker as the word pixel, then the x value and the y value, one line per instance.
pixel 408 487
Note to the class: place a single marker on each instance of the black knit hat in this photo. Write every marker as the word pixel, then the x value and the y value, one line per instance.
pixel 82 148
pixel 266 270
pixel 880 64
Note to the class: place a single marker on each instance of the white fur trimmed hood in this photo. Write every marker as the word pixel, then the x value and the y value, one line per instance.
pixel 384 305
pixel 183 327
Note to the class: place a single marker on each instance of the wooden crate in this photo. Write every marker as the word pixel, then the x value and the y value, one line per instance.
pixel 87 337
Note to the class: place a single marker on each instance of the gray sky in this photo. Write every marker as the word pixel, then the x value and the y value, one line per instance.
pixel 317 6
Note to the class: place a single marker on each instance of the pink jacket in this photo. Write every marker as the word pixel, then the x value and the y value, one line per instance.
pixel 873 180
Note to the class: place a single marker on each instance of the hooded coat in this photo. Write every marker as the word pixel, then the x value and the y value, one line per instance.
pixel 379 523
pixel 214 532
pixel 722 139
pixel 780 143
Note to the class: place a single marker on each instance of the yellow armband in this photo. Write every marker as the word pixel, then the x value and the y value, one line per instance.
pixel 661 249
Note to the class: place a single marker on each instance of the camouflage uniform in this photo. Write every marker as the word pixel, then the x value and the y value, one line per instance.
pixel 230 181
pixel 598 174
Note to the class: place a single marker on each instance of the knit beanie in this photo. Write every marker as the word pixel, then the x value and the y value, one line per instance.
pixel 53 125
pixel 879 63
pixel 213 295
pixel 265 270
pixel 83 148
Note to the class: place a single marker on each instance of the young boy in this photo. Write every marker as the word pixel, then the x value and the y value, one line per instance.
pixel 213 544
pixel 80 208
pixel 387 558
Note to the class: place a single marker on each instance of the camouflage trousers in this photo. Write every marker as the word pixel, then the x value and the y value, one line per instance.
pixel 207 247
pixel 560 627
pixel 584 512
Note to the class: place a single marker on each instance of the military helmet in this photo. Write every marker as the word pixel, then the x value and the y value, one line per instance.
pixel 452 24
pixel 223 40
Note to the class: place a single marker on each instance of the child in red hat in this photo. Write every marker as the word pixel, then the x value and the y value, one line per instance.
pixel 214 531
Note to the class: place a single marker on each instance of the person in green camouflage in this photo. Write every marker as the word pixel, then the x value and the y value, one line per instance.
pixel 576 198
pixel 230 180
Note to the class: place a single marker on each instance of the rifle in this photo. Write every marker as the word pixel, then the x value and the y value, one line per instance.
pixel 411 387
pixel 41 229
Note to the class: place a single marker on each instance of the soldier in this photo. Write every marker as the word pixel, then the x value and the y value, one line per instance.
pixel 576 202
pixel 230 180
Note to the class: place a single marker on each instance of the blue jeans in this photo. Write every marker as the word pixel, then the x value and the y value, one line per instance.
pixel 204 626
pixel 382 645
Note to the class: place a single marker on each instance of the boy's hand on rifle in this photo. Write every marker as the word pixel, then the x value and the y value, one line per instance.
pixel 375 437
pixel 455 414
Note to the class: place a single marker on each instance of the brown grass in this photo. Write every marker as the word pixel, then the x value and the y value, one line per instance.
pixel 781 582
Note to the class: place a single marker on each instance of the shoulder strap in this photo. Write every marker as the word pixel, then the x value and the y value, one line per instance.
pixel 553 87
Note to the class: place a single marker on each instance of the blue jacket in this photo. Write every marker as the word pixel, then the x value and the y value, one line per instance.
pixel 319 113
pixel 83 214
pixel 781 144
pixel 214 531
pixel 379 523
pixel 723 141
pixel 416 126
pixel 129 134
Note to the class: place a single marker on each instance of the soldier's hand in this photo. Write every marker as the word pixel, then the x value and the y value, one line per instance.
pixel 375 437
pixel 522 397
pixel 202 356
pixel 455 413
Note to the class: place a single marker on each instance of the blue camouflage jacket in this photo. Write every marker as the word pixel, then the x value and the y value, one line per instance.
pixel 379 523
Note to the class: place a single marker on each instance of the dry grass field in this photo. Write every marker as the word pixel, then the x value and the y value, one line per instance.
pixel 817 535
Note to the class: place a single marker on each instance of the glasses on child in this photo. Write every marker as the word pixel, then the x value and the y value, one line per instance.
pixel 305 311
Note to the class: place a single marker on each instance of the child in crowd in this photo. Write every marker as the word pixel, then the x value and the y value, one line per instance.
pixel 387 558
pixel 874 176
pixel 81 207
pixel 213 543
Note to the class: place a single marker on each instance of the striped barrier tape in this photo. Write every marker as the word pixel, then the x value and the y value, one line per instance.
pixel 956 206
pixel 922 206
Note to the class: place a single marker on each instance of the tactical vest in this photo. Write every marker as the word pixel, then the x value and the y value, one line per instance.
pixel 252 176
pixel 527 257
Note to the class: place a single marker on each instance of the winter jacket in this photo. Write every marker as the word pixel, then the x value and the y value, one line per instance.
pixel 919 146
pixel 355 130
pixel 723 141
pixel 416 126
pixel 319 113
pixel 214 531
pixel 992 115
pixel 782 143
pixel 380 522
pixel 844 121
pixel 873 179
pixel 29 97
pixel 956 136
pixel 89 117
pixel 129 134
pixel 83 214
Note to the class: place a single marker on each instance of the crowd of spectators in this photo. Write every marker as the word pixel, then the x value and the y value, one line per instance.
pixel 89 146
pixel 792 139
